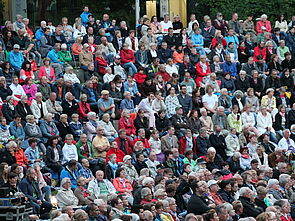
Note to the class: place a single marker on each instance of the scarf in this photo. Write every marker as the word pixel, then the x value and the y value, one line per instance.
pixel 204 67
pixel 246 156
pixel 3 127
pixel 231 50
pixel 113 166
pixel 20 25
pixel 11 106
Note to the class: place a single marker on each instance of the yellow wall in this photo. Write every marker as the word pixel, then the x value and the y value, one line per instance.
pixel 178 7
pixel 151 8
pixel 6 13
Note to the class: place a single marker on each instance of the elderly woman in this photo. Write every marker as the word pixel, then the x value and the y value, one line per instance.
pixel 224 100
pixel 252 100
pixel 4 131
pixel 77 48
pixel 8 109
pixel 171 102
pixel 238 99
pixel 274 190
pixel 248 118
pixel 48 128
pixel 130 171
pixel 91 125
pixel 65 196
pixel 38 107
pixel 206 120
pixel 84 107
pixel 285 209
pixel 261 156
pixel 32 130
pixel 171 67
pixel 269 100
pixel 264 124
pixel 109 130
pixel 232 142
pixel 212 81
pixel 203 70
pixel 127 123
pixel 22 108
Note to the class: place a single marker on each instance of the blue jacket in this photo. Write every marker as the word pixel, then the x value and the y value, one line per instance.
pixel 125 104
pixel 16 59
pixel 67 173
pixel 77 129
pixel 26 187
pixel 126 88
pixel 230 67
pixel 17 132
pixel 197 39
pixel 53 56
pixel 45 129
pixel 84 17
pixel 39 33
pixel 32 155
pixel 233 39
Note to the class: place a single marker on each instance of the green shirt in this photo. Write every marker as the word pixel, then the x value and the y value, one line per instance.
pixel 103 187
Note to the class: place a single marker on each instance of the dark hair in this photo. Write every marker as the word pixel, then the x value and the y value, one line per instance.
pixel 24 67
pixel 254 161
pixel 114 202
pixel 224 183
pixel 49 142
pixel 188 152
pixel 138 155
pixel 11 175
pixel 118 171
pixel 167 153
pixel 209 215
pixel 3 66
pixel 32 140
pixel 72 163
pixel 194 186
pixel 117 77
pixel 170 188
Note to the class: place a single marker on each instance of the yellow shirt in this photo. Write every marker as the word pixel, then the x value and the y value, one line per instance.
pixel 100 146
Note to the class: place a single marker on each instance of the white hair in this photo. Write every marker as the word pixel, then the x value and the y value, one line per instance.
pixel 284 178
pixel 211 149
pixel 244 190
pixel 147 180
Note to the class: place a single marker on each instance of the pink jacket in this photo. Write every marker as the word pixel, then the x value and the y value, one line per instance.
pixel 260 24
pixel 30 91
pixel 120 187
pixel 42 73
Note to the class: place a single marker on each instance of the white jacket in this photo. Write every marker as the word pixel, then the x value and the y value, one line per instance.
pixel 128 41
pixel 71 77
pixel 94 188
pixel 232 145
pixel 108 129
pixel 263 122
pixel 265 159
pixel 69 153
pixel 66 198
pixel 37 111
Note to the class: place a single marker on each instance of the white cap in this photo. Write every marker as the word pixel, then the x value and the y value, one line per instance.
pixel 211 182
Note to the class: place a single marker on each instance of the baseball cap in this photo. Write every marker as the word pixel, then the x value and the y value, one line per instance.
pixel 16 46
pixel 211 182
pixel 117 57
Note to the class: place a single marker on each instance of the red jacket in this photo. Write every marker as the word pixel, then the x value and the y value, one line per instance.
pixel 166 77
pixel 260 24
pixel 120 187
pixel 200 73
pixel 139 78
pixel 182 145
pixel 127 56
pixel 128 145
pixel 83 109
pixel 145 142
pixel 42 73
pixel 214 43
pixel 119 153
pixel 259 51
pixel 129 127
pixel 21 158
pixel 101 65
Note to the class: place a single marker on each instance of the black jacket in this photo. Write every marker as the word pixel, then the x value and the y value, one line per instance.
pixel 4 92
pixel 288 64
pixel 170 40
pixel 50 156
pixel 8 113
pixel 197 205
pixel 20 110
pixel 218 142
pixel 277 125
pixel 63 130
pixel 226 196
pixel 272 83
pixel 138 123
pixel 242 85
pixel 69 109
pixel 258 86
pixel 202 146
pixel 291 114
pixel 234 166
pixel 164 55
pixel 6 157
pixel 162 124
pixel 250 209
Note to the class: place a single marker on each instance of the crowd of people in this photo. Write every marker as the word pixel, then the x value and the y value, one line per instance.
pixel 160 123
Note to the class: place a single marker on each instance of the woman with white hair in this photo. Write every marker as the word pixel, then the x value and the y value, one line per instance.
pixel 274 190
pixel 109 130
pixel 171 67
pixel 127 123
pixel 263 23
pixel 281 50
pixel 130 171
pixel 72 77
pixel 206 120
pixel 91 125
pixel 38 107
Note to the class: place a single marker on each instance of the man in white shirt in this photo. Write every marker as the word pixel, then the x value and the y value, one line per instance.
pixel 286 143
pixel 17 89
pixel 166 24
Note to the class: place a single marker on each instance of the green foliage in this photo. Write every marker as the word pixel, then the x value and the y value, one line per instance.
pixel 243 7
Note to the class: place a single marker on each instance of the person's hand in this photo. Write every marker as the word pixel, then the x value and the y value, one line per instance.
pixel 113 115
pixel 212 205
pixel 187 115
pixel 33 217
pixel 112 106
pixel 39 202
pixel 38 160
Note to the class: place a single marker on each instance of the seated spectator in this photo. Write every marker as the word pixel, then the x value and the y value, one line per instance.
pixel 106 104
pixel 203 70
pixel 4 89
pixel 229 66
pixel 45 88
pixel 30 88
pixel 26 72
pixel 48 127
pixel 69 150
pixel 127 123
pixel 245 159
pixel 63 126
pixel 210 100
pixel 76 127
pixel 16 58
pixel 69 104
pixel 100 187
pixel 265 124
pixel 286 143
pixel 91 125
pixel 84 108
pixel 55 62
pixel 22 108
pixel 261 156
pixel 84 196
pixel 77 48
pixel 232 143
pixel 38 107
pixel 85 57
pixel 32 191
pixel 16 128
pixel 4 131
pixel 54 154
pixel 109 130
pixel 16 88
pixel 198 42
pixel 65 196
pixel 128 59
